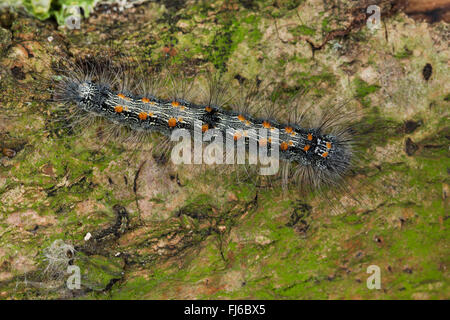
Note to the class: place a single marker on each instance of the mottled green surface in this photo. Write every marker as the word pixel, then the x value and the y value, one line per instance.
pixel 206 236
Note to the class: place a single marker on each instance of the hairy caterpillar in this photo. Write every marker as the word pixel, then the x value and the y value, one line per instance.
pixel 321 154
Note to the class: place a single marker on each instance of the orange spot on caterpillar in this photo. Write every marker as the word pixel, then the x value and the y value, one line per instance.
pixel 208 109
pixel 328 145
pixel 325 154
pixel 247 123
pixel 121 95
pixel 118 109
pixel 307 147
pixel 237 136
pixel 205 127
pixel 310 137
pixel 150 114
pixel 288 129
pixel 175 104
pixel 172 122
pixel 180 119
pixel 241 117
pixel 291 143
pixel 284 146
pixel 266 125
pixel 143 116
pixel 145 100
pixel 182 107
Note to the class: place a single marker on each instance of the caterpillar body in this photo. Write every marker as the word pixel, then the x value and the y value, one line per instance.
pixel 321 157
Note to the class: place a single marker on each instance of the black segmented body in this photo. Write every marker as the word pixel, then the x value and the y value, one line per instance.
pixel 307 147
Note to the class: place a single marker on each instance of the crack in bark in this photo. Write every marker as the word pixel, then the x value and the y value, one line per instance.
pixel 136 177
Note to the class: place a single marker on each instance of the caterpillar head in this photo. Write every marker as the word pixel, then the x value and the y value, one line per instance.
pixel 86 94
pixel 87 91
